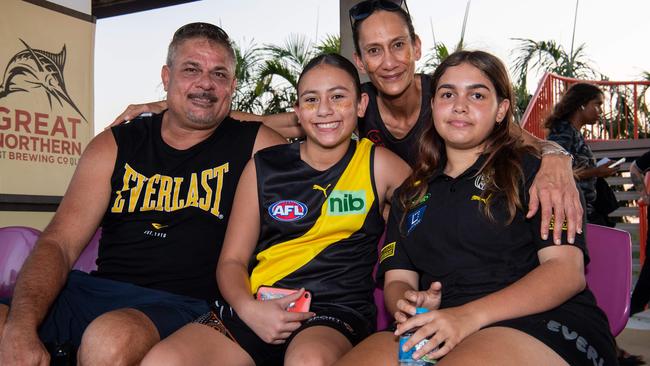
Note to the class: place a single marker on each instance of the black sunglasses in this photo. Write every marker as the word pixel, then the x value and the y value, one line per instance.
pixel 363 9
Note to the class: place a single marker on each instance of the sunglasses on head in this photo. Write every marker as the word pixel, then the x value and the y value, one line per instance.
pixel 365 8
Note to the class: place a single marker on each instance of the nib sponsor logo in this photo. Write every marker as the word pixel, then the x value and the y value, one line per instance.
pixel 288 210
pixel 346 203
pixel 33 70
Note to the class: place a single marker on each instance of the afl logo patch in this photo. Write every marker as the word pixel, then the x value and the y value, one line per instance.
pixel 288 210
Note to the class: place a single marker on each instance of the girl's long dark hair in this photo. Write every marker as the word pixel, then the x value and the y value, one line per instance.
pixel 576 96
pixel 502 170
pixel 335 60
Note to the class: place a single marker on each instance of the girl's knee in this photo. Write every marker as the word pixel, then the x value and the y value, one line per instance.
pixel 309 357
pixel 160 354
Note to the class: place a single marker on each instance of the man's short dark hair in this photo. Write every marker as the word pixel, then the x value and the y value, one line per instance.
pixel 199 30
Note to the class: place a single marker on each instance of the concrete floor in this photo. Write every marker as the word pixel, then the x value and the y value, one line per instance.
pixel 635 338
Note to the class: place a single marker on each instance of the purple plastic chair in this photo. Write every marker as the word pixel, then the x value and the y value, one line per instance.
pixel 609 273
pixel 15 244
pixel 87 260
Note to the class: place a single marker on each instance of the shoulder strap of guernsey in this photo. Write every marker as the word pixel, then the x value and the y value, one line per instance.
pixel 342 214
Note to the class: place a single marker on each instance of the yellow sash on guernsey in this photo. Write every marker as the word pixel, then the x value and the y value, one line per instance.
pixel 284 258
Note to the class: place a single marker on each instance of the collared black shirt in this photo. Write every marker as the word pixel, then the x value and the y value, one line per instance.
pixel 448 238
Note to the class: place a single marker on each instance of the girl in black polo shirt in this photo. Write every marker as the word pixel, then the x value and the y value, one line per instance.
pixel 459 244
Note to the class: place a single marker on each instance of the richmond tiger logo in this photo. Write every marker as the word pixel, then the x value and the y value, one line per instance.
pixel 31 70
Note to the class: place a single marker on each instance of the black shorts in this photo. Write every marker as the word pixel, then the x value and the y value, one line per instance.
pixel 85 297
pixel 224 319
pixel 580 336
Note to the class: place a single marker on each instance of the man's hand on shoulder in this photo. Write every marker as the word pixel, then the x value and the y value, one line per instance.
pixel 134 110
pixel 554 189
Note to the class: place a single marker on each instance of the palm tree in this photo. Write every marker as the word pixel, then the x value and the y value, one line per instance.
pixel 279 72
pixel 435 56
pixel 439 52
pixel 330 44
pixel 551 57
pixel 643 100
pixel 245 98
pixel 547 56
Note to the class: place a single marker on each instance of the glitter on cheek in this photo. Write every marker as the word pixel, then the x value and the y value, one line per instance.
pixel 309 106
pixel 343 105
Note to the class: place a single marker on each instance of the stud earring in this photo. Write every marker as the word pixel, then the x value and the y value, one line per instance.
pixel 582 107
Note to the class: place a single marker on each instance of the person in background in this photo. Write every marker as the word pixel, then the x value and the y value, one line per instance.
pixel 581 105
pixel 387 49
pixel 458 223
pixel 337 189
pixel 641 293
pixel 162 190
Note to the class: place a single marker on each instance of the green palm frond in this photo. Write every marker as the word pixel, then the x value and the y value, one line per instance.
pixel 277 68
pixel 267 76
pixel 331 44
pixel 548 56
pixel 436 55
pixel 247 60
pixel 295 52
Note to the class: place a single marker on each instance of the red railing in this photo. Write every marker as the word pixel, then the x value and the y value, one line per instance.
pixel 625 116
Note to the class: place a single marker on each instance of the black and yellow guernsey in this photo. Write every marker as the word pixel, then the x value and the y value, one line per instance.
pixel 319 229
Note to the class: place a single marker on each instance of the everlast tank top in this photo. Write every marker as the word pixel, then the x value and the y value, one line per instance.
pixel 167 216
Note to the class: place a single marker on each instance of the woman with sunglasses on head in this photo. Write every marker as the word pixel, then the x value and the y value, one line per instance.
pixel 458 223
pixel 305 216
pixel 398 110
pixel 386 49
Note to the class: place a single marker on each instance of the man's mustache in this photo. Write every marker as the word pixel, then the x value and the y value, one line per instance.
pixel 205 95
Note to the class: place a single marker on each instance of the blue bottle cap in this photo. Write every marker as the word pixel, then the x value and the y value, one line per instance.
pixel 421 310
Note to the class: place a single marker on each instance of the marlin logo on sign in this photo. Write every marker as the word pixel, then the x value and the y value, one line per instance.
pixel 31 69
pixel 288 210
pixel 346 203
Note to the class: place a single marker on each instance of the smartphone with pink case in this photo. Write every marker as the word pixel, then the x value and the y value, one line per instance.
pixel 269 293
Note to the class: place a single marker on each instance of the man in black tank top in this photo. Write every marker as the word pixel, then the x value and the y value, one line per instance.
pixel 162 190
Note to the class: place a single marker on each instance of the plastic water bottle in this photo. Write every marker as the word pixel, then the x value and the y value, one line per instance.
pixel 406 358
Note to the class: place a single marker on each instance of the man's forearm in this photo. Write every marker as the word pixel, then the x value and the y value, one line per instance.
pixel 286 124
pixel 544 147
pixel 38 284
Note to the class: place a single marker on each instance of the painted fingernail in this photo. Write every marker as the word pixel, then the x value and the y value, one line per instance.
pixel 557 241
pixel 544 236
pixel 571 240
